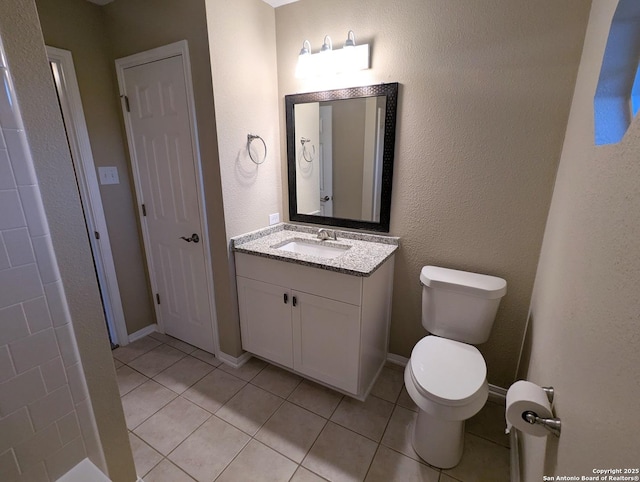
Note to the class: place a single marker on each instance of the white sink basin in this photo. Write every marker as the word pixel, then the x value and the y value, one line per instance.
pixel 313 248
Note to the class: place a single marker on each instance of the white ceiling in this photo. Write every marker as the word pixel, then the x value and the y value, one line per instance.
pixel 277 3
pixel 273 3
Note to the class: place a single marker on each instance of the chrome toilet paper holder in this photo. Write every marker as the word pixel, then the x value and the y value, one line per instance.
pixel 553 425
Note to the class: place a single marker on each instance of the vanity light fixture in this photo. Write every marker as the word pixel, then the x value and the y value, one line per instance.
pixel 304 65
pixel 326 64
pixel 327 44
pixel 328 61
pixel 353 58
pixel 351 39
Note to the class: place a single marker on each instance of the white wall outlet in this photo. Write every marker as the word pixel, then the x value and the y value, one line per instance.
pixel 108 175
pixel 274 218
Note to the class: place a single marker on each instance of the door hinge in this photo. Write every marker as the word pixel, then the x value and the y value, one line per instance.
pixel 144 210
pixel 158 298
pixel 126 102
pixel 97 234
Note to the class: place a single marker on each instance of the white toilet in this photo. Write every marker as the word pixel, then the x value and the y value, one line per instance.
pixel 446 375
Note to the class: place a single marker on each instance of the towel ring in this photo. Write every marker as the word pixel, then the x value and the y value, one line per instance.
pixel 305 153
pixel 250 139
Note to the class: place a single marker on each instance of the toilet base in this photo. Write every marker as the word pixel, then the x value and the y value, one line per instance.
pixel 438 442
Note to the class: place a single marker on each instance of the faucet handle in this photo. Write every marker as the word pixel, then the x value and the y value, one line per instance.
pixel 325 234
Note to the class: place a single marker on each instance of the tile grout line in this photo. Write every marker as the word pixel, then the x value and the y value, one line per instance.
pixel 138 356
pixel 371 463
pixel 198 380
pixel 179 395
pixel 488 440
pixel 253 437
pixel 326 421
pixel 155 465
pixel 235 456
pixel 182 441
pixel 283 400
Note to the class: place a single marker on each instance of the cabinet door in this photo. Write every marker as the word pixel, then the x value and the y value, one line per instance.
pixel 265 320
pixel 326 340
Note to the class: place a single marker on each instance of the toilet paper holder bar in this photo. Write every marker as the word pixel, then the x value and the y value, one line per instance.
pixel 553 425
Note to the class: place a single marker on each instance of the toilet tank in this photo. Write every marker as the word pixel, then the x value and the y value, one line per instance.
pixel 459 305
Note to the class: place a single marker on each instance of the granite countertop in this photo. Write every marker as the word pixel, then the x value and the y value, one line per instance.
pixel 365 254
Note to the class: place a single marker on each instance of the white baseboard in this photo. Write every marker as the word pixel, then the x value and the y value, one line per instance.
pixel 233 361
pixel 496 394
pixel 397 359
pixel 147 330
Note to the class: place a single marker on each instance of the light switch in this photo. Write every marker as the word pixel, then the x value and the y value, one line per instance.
pixel 108 175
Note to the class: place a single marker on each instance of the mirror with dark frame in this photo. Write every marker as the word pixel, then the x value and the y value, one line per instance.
pixel 340 149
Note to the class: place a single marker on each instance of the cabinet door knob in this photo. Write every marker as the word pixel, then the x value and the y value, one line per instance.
pixel 295 301
pixel 286 298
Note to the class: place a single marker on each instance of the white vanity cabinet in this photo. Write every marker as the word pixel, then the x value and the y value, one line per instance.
pixel 328 326
pixel 265 314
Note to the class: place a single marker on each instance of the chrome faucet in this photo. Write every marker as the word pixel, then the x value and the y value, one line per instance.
pixel 324 234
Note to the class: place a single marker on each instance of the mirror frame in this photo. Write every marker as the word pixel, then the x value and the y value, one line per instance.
pixel 389 90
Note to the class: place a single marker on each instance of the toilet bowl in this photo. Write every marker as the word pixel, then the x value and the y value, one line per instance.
pixel 446 375
pixel 447 381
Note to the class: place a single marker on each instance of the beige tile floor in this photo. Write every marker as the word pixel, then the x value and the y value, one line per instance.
pixel 192 418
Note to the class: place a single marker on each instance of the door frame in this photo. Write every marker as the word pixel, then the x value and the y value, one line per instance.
pixel 326 154
pixel 175 49
pixel 84 166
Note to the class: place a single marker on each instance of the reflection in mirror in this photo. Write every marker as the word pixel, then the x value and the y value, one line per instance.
pixel 340 154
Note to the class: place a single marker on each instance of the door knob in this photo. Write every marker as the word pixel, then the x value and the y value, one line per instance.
pixel 194 237
pixel 325 199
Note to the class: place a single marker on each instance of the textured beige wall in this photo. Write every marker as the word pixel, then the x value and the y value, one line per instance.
pixel 584 330
pixel 78 26
pixel 243 63
pixel 483 104
pixel 24 45
pixel 138 25
pixel 348 157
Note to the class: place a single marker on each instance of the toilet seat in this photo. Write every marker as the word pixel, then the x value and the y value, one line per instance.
pixel 448 372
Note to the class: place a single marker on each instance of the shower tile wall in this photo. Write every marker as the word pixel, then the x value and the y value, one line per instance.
pixel 46 419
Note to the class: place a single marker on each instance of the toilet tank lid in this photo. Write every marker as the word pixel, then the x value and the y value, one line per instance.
pixel 481 285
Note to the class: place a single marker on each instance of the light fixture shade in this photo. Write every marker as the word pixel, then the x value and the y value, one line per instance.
pixel 326 61
pixel 327 44
pixel 352 59
pixel 351 39
pixel 304 67
pixel 306 48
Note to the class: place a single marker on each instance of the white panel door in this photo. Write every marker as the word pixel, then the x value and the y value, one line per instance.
pixel 165 166
pixel 265 320
pixel 326 340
